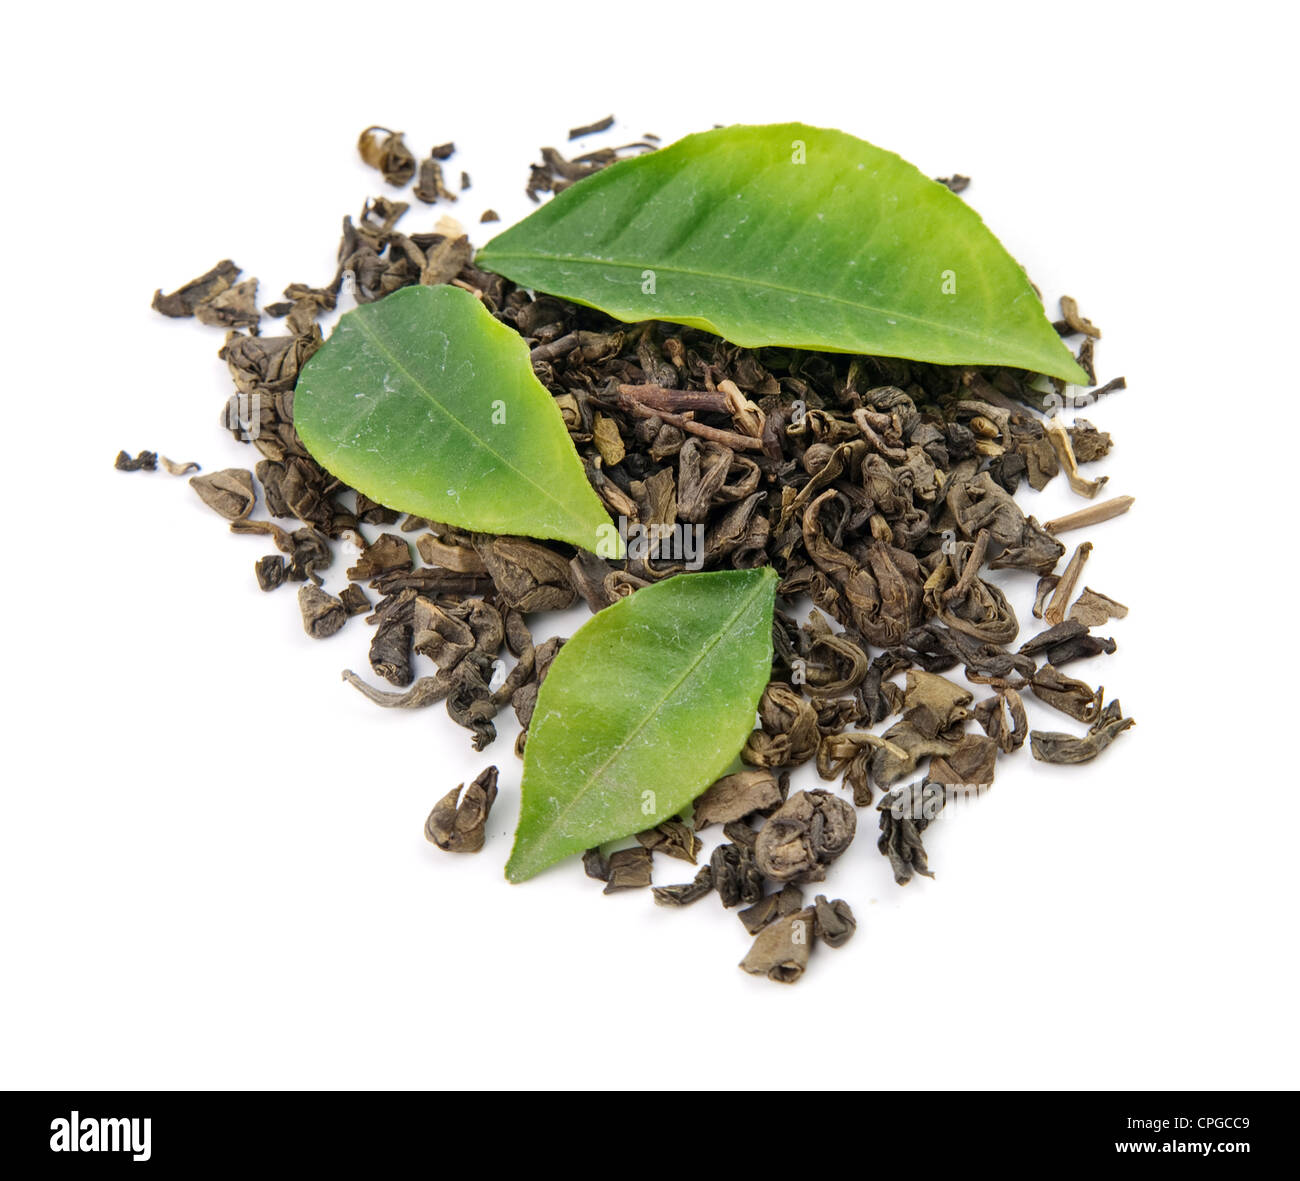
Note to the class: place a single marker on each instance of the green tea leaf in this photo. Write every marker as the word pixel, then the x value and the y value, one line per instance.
pixel 788 235
pixel 642 710
pixel 428 405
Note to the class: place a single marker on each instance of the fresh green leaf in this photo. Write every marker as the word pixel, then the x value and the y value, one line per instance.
pixel 428 405
pixel 788 235
pixel 642 710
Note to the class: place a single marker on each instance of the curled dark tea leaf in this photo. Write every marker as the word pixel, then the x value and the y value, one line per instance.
pixel 184 300
pixel 354 599
pixel 904 816
pixel 146 461
pixel 1054 747
pixel 387 151
pixel 426 691
pixel 629 869
pixel 1004 720
pixel 1093 609
pixel 592 128
pixel 459 828
pixel 780 950
pixel 1076 698
pixel 735 875
pixel 595 865
pixel 229 492
pixel 789 734
pixel 833 922
pixel 733 797
pixel 687 892
pixel 270 571
pixel 673 839
pixel 804 836
pixel 322 614
pixel 388 552
pixel 768 909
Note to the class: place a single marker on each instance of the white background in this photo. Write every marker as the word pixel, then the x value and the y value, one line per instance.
pixel 203 883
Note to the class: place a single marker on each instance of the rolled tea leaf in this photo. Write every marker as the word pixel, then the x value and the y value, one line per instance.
pixel 459 827
pixel 229 492
pixel 642 709
pixel 788 235
pixel 426 404
pixel 780 950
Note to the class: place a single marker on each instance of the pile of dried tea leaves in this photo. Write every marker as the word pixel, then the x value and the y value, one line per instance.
pixel 883 490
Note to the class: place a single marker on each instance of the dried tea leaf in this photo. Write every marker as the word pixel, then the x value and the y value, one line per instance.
pixel 733 797
pixel 971 763
pixel 1092 609
pixel 271 572
pixel 173 468
pixel 228 492
pixel 673 839
pixel 629 869
pixel 184 300
pixel 608 440
pixel 595 864
pixel 767 910
pixel 445 259
pixel 354 599
pixel 322 614
pixel 1054 747
pixel 1059 437
pixel 431 186
pixel 851 753
pixel 687 892
pixel 386 553
pixel 833 922
pixel 459 828
pixel 638 243
pixel 1066 641
pixel 235 307
pixel 1003 719
pixel 146 461
pixel 888 767
pixel 592 128
pixel 387 151
pixel 811 829
pixel 437 552
pixel 528 576
pixel 789 734
pixel 647 703
pixel 904 816
pixel 1076 698
pixel 1072 322
pixel 425 403
pixel 933 704
pixel 780 950
pixel 1043 592
pixel 736 876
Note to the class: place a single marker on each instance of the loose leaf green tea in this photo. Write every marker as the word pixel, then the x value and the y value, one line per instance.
pixel 881 488
pixel 425 403
pixel 642 709
pixel 788 235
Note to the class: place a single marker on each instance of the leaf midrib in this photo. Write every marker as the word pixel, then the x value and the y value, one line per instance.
pixel 654 711
pixel 371 335
pixel 747 282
